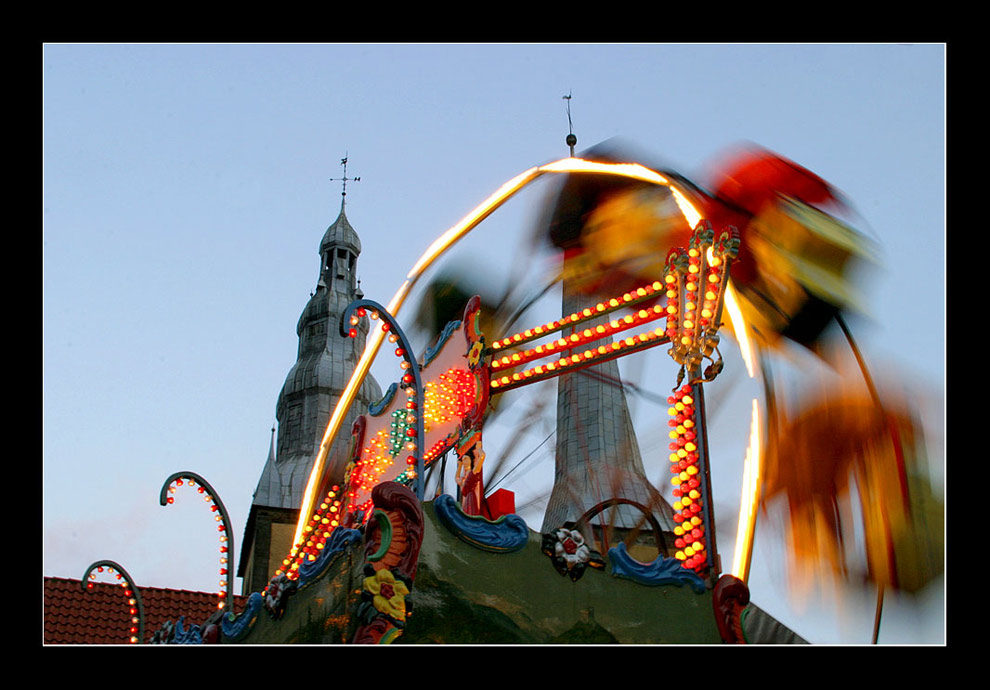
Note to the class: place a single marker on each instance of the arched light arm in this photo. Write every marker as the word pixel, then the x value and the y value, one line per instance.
pixel 134 596
pixel 356 309
pixel 227 540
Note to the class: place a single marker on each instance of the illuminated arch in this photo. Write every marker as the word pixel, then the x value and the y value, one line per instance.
pixel 435 251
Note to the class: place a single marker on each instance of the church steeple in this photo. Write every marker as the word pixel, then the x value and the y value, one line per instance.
pixel 340 246
pixel 339 251
pixel 324 363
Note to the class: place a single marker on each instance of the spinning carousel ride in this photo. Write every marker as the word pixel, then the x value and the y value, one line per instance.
pixel 659 262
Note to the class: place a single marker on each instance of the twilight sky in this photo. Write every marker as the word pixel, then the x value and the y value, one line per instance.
pixel 187 187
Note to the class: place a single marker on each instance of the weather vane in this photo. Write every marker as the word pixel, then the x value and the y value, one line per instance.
pixel 571 139
pixel 345 178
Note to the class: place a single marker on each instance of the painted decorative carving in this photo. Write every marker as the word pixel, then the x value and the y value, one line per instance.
pixel 236 628
pixel 470 460
pixel 730 597
pixel 506 534
pixel 211 634
pixel 569 553
pixel 438 404
pixel 392 540
pixel 164 634
pixel 660 571
pixel 388 593
pixel 192 635
pixel 342 539
pixel 277 594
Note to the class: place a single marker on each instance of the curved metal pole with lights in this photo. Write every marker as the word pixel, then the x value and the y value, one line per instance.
pixel 226 550
pixel 348 320
pixel 130 589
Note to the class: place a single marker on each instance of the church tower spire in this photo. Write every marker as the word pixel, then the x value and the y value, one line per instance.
pixel 324 363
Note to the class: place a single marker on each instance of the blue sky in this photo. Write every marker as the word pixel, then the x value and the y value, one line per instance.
pixel 187 187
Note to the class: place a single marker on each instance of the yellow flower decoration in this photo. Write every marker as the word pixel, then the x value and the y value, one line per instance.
pixel 389 593
pixel 474 356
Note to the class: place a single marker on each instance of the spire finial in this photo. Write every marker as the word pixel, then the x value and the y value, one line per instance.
pixel 571 139
pixel 345 179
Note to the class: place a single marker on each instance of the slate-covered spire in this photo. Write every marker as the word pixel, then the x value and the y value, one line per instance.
pixel 324 363
pixel 339 251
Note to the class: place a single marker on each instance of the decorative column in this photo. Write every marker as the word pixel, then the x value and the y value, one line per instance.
pixel 696 280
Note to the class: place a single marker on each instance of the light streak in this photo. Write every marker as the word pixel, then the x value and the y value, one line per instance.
pixel 750 497
pixel 740 329
pixel 746 527
pixel 687 208
pixel 435 250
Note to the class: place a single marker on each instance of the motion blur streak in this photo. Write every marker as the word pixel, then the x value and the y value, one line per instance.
pixel 740 331
pixel 749 500
pixel 747 506
pixel 687 208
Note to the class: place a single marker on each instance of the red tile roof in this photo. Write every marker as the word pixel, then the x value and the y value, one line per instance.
pixel 100 616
